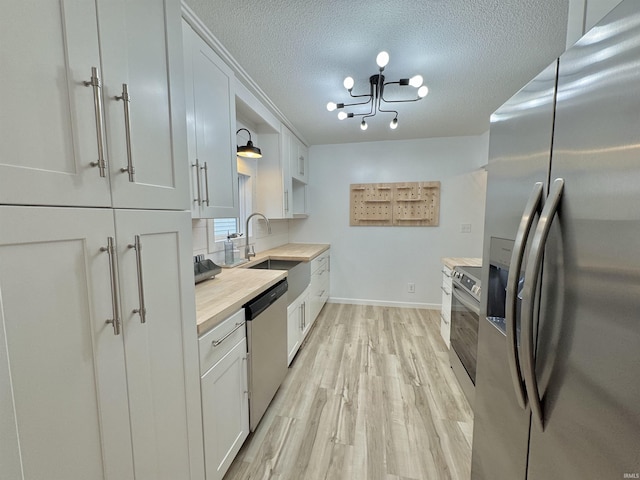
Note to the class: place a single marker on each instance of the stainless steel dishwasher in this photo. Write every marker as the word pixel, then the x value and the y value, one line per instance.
pixel 266 317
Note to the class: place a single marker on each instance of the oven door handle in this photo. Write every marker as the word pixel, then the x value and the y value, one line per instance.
pixel 465 299
pixel 534 205
pixel 534 265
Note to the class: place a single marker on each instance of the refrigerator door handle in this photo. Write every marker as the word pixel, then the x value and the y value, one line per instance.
pixel 534 264
pixel 533 206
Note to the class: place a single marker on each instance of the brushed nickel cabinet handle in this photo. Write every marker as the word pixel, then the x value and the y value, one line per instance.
pixel 198 200
pixel 113 272
pixel 215 343
pixel 126 100
pixel 142 311
pixel 96 84
pixel 446 292
pixel 206 182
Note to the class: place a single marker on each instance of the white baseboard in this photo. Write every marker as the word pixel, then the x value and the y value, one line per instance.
pixel 380 303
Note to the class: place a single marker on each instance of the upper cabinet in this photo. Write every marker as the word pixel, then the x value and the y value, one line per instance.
pixel 211 119
pixel 95 114
pixel 298 160
pixel 281 193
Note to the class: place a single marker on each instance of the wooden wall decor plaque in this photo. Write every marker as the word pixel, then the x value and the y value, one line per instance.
pixel 403 204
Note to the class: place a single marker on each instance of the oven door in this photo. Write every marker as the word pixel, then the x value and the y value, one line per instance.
pixel 465 315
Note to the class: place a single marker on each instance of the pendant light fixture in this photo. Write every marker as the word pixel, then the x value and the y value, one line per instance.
pixel 375 98
pixel 248 151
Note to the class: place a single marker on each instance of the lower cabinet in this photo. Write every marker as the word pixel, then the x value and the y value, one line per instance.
pixel 319 285
pixel 96 321
pixel 303 311
pixel 445 312
pixel 225 397
pixel 299 321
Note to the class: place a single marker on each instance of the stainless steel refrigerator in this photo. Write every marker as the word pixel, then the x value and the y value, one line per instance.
pixel 558 375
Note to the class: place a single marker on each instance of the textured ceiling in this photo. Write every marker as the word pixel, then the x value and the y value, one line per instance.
pixel 473 55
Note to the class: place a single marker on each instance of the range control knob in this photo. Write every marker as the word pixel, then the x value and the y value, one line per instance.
pixel 475 290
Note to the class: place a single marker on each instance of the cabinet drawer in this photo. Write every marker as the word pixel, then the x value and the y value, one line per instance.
pixel 216 343
pixel 320 262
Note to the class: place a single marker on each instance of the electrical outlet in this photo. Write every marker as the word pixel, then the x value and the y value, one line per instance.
pixel 411 287
pixel 465 228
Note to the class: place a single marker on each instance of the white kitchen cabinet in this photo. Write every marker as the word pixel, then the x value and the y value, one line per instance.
pixel 211 138
pixel 298 324
pixel 319 285
pixel 279 193
pixel 298 160
pixel 445 312
pixel 225 400
pixel 64 141
pixel 80 396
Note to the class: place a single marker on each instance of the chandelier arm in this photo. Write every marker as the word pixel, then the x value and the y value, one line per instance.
pixel 359 103
pixel 401 101
pixel 398 101
pixel 358 96
pixel 388 111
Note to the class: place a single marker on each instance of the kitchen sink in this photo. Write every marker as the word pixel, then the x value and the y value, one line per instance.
pixel 298 274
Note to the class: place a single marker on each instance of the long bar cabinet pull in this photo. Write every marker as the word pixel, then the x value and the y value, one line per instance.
pixel 206 182
pixel 215 343
pixel 113 272
pixel 197 167
pixel 126 100
pixel 142 311
pixel 534 265
pixel 533 206
pixel 95 82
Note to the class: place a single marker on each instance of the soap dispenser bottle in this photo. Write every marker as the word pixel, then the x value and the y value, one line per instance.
pixel 228 251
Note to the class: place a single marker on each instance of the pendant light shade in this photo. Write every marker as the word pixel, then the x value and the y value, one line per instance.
pixel 248 150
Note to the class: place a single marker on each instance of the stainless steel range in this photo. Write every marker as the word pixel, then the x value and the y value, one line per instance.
pixel 465 316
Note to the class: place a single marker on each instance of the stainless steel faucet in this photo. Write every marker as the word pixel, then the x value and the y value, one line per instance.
pixel 248 252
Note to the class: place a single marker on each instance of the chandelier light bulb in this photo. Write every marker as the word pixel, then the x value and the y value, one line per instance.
pixel 422 91
pixel 331 106
pixel 348 83
pixel 394 124
pixel 364 125
pixel 416 81
pixel 342 115
pixel 382 59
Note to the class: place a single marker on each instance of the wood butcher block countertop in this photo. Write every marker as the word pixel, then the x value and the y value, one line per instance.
pixel 220 297
pixel 452 262
pixel 297 252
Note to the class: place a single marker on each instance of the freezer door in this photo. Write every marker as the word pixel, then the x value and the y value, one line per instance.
pixel 519 150
pixel 588 356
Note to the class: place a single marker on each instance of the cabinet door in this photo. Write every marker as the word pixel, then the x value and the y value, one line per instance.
pixel 285 165
pixel 213 117
pixel 445 311
pixel 63 397
pixel 48 135
pixel 299 161
pixel 155 276
pixel 141 46
pixel 305 313
pixel 225 405
pixel 294 330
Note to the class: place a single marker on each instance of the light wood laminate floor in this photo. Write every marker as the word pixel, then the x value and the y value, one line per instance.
pixel 370 396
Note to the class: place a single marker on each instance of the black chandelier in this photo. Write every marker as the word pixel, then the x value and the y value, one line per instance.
pixel 375 97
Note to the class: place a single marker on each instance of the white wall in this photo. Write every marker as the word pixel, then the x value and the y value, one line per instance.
pixel 374 264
